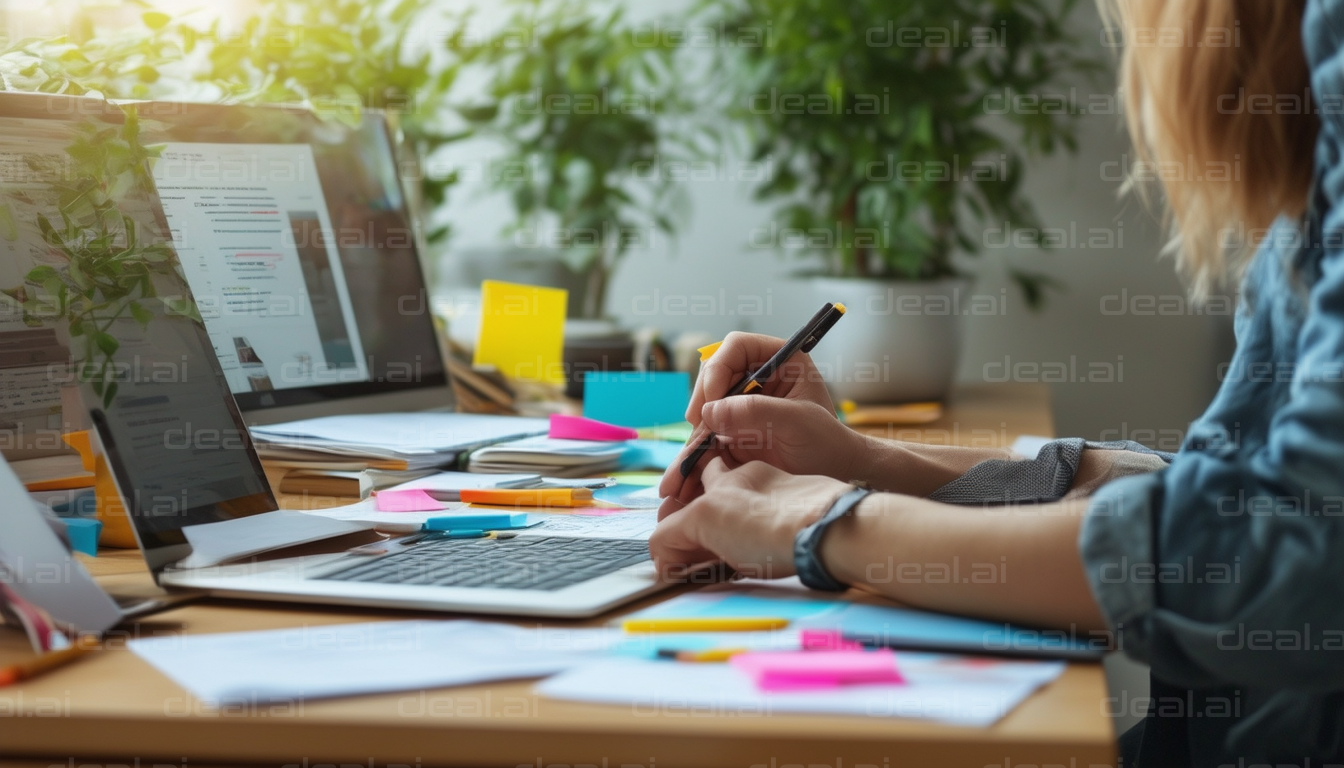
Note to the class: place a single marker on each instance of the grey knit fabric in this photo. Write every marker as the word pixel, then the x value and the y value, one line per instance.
pixel 1033 481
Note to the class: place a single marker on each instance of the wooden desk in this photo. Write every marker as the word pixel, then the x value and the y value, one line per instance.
pixel 114 709
pixel 981 416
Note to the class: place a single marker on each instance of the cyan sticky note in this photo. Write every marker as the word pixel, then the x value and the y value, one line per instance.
pixel 636 398
pixel 649 454
pixel 83 534
pixel 489 521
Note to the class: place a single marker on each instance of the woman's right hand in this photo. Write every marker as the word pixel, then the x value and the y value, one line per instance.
pixel 789 424
pixel 741 353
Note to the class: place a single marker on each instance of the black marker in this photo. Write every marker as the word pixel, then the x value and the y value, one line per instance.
pixel 803 341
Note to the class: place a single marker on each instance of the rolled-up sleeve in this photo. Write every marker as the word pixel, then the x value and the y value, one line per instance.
pixel 1227 567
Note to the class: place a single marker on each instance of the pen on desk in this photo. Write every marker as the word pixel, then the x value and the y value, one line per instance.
pixel 47 661
pixel 706 624
pixel 803 341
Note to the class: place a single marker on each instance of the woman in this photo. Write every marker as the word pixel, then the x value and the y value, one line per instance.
pixel 1221 566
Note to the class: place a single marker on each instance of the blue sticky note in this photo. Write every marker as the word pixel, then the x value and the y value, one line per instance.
pixel 649 454
pixel 636 398
pixel 901 627
pixel 83 534
pixel 489 521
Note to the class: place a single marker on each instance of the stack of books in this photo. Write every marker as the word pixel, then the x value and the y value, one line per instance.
pixel 358 454
pixel 549 456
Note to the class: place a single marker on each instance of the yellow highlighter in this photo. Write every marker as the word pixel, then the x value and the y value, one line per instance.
pixel 705 624
pixel 529 497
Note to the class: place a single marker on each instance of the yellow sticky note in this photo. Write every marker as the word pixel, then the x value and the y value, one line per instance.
pixel 523 331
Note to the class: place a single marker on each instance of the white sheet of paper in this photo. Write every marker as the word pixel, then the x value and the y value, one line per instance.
pixel 366 512
pixel 215 543
pixel 445 486
pixel 645 498
pixel 407 433
pixel 635 524
pixel 352 659
pixel 949 689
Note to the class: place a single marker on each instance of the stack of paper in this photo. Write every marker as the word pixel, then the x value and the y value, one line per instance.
pixel 549 456
pixel 405 440
pixel 448 486
pixel 61 472
pixel 341 482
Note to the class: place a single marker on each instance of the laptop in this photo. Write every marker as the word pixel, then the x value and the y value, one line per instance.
pixel 296 237
pixel 36 564
pixel 180 451
pixel 35 561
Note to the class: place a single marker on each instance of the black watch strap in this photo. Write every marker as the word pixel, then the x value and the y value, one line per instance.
pixel 807 544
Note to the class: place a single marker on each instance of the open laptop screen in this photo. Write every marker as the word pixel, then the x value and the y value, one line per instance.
pixel 85 253
pixel 295 238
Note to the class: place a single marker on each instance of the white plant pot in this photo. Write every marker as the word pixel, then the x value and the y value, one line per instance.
pixel 899 341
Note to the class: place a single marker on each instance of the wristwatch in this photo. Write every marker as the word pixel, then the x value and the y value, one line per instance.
pixel 807 558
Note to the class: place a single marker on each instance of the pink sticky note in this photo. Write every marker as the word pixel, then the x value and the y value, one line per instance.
pixel 826 640
pixel 812 670
pixel 415 500
pixel 578 428
pixel 599 511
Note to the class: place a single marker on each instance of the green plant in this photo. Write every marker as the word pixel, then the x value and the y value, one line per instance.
pixel 576 100
pixel 337 57
pixel 108 268
pixel 115 64
pixel 881 118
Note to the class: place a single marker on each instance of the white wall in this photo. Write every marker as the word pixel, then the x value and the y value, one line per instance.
pixel 1165 364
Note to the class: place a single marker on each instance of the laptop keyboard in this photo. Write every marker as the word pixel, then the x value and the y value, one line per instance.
pixel 524 562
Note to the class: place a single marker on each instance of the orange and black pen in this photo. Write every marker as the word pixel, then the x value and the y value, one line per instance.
pixel 803 341
pixel 48 661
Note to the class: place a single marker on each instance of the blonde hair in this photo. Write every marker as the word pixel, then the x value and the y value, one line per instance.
pixel 1217 101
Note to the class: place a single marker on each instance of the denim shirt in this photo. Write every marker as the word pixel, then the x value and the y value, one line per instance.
pixel 1225 571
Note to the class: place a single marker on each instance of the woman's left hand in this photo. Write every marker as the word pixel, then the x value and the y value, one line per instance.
pixel 747 518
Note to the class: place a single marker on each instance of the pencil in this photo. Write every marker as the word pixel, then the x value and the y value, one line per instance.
pixel 48 661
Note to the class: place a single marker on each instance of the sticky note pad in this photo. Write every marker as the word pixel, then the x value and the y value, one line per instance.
pixel 416 500
pixel 636 398
pixel 491 521
pixel 811 670
pixel 522 331
pixel 565 427
pixel 83 533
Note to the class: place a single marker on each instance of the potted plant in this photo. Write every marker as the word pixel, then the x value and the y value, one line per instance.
pixel 574 99
pixel 891 149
